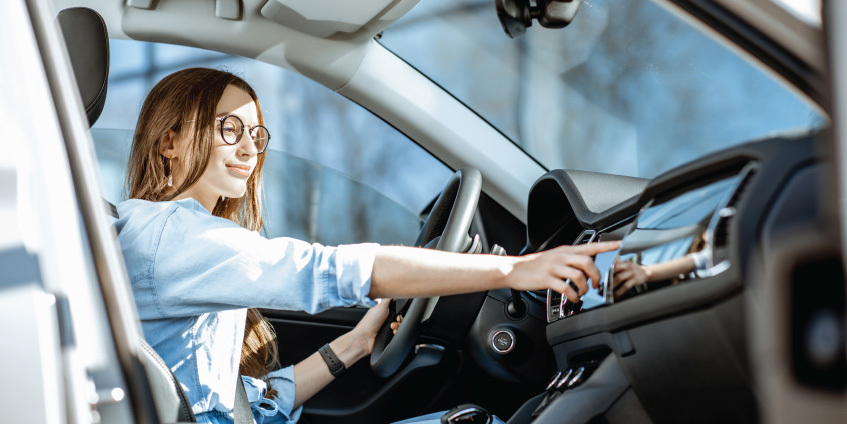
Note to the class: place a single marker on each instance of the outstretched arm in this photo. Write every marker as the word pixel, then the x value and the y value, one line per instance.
pixel 414 272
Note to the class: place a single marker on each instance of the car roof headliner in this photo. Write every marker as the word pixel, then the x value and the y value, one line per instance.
pixel 340 36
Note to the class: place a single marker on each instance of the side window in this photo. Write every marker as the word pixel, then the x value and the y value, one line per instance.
pixel 334 172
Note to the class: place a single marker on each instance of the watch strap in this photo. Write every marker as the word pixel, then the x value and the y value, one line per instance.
pixel 336 367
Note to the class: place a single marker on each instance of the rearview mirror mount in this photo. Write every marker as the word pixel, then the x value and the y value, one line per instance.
pixel 517 15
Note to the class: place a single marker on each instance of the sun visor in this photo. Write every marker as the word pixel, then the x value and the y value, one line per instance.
pixel 324 18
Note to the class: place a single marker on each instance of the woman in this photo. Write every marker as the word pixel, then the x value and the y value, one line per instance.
pixel 196 261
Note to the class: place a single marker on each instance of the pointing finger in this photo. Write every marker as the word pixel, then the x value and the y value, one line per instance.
pixel 594 248
pixel 584 264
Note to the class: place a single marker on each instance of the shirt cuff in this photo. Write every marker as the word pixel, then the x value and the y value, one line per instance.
pixel 283 381
pixel 353 269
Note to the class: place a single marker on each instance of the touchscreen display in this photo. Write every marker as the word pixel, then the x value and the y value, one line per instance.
pixel 670 241
pixel 673 241
pixel 603 293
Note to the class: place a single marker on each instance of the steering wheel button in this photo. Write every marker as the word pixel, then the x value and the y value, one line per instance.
pixel 503 341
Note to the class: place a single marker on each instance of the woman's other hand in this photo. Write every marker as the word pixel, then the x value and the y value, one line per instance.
pixel 365 331
pixel 312 374
pixel 396 324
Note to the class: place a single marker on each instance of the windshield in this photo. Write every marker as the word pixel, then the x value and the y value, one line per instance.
pixel 628 88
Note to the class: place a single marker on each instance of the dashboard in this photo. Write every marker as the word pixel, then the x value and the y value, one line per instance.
pixel 675 346
pixel 679 237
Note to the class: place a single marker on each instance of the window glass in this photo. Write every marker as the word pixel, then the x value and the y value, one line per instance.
pixel 627 88
pixel 334 172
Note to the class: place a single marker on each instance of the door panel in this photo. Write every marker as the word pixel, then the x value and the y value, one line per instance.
pixel 360 396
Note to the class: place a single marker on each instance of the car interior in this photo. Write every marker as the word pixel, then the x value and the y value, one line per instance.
pixel 749 225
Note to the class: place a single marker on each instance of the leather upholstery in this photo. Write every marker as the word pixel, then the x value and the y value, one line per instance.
pixel 87 41
pixel 171 402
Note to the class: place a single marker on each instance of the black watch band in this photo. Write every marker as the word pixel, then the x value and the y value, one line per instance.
pixel 336 367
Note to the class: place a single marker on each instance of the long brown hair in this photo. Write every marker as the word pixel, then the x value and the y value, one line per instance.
pixel 185 103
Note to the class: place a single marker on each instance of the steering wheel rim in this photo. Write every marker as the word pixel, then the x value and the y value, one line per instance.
pixel 447 225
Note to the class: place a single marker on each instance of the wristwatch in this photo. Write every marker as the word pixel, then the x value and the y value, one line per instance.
pixel 336 367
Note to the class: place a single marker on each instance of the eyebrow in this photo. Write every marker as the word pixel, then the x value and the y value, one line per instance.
pixel 222 114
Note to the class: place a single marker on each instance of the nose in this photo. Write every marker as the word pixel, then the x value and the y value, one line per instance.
pixel 247 145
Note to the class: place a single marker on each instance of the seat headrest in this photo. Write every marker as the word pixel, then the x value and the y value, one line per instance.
pixel 88 47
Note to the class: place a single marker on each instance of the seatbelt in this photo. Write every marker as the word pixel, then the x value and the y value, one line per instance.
pixel 241 412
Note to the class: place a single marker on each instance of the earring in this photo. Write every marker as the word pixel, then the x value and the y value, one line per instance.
pixel 170 176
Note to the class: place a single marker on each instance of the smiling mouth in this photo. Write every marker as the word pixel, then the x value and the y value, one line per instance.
pixel 244 172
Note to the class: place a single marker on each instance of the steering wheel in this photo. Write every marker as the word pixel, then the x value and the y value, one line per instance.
pixel 446 228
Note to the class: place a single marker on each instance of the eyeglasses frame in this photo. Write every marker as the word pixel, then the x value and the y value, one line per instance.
pixel 243 126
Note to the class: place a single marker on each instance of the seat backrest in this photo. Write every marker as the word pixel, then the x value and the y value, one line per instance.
pixel 87 41
pixel 171 403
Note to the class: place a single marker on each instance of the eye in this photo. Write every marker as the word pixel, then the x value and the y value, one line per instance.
pixel 229 127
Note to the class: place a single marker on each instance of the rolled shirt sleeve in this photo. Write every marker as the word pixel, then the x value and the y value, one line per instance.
pixel 278 409
pixel 201 263
pixel 283 381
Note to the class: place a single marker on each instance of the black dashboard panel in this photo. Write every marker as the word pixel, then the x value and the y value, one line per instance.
pixel 563 203
pixel 558 213
pixel 683 349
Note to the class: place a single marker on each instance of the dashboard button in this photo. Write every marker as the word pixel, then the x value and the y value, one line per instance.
pixel 503 341
pixel 553 382
pixel 564 379
pixel 577 378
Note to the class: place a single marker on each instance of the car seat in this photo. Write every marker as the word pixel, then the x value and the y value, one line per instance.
pixel 87 42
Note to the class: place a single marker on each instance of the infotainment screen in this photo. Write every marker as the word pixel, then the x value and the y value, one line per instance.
pixel 675 237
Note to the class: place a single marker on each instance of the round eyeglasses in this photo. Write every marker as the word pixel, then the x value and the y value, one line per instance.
pixel 232 128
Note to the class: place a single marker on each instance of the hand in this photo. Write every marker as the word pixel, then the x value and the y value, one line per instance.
pixel 366 329
pixel 628 275
pixel 550 269
pixel 396 325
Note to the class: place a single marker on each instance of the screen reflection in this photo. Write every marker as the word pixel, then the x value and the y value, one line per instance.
pixel 673 241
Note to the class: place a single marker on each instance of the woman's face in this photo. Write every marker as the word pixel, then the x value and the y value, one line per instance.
pixel 229 165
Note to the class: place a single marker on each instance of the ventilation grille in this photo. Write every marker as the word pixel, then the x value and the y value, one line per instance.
pixel 721 234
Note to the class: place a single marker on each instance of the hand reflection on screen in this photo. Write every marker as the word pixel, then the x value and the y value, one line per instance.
pixel 629 274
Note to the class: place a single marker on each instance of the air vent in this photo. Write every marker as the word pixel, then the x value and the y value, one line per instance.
pixel 720 235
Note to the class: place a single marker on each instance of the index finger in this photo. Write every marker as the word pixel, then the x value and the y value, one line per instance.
pixel 595 248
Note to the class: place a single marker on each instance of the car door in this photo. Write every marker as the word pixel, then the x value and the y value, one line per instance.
pixel 68 353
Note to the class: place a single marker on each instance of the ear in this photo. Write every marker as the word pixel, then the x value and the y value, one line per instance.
pixel 167 145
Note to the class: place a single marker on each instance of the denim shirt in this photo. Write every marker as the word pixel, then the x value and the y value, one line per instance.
pixel 193 274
